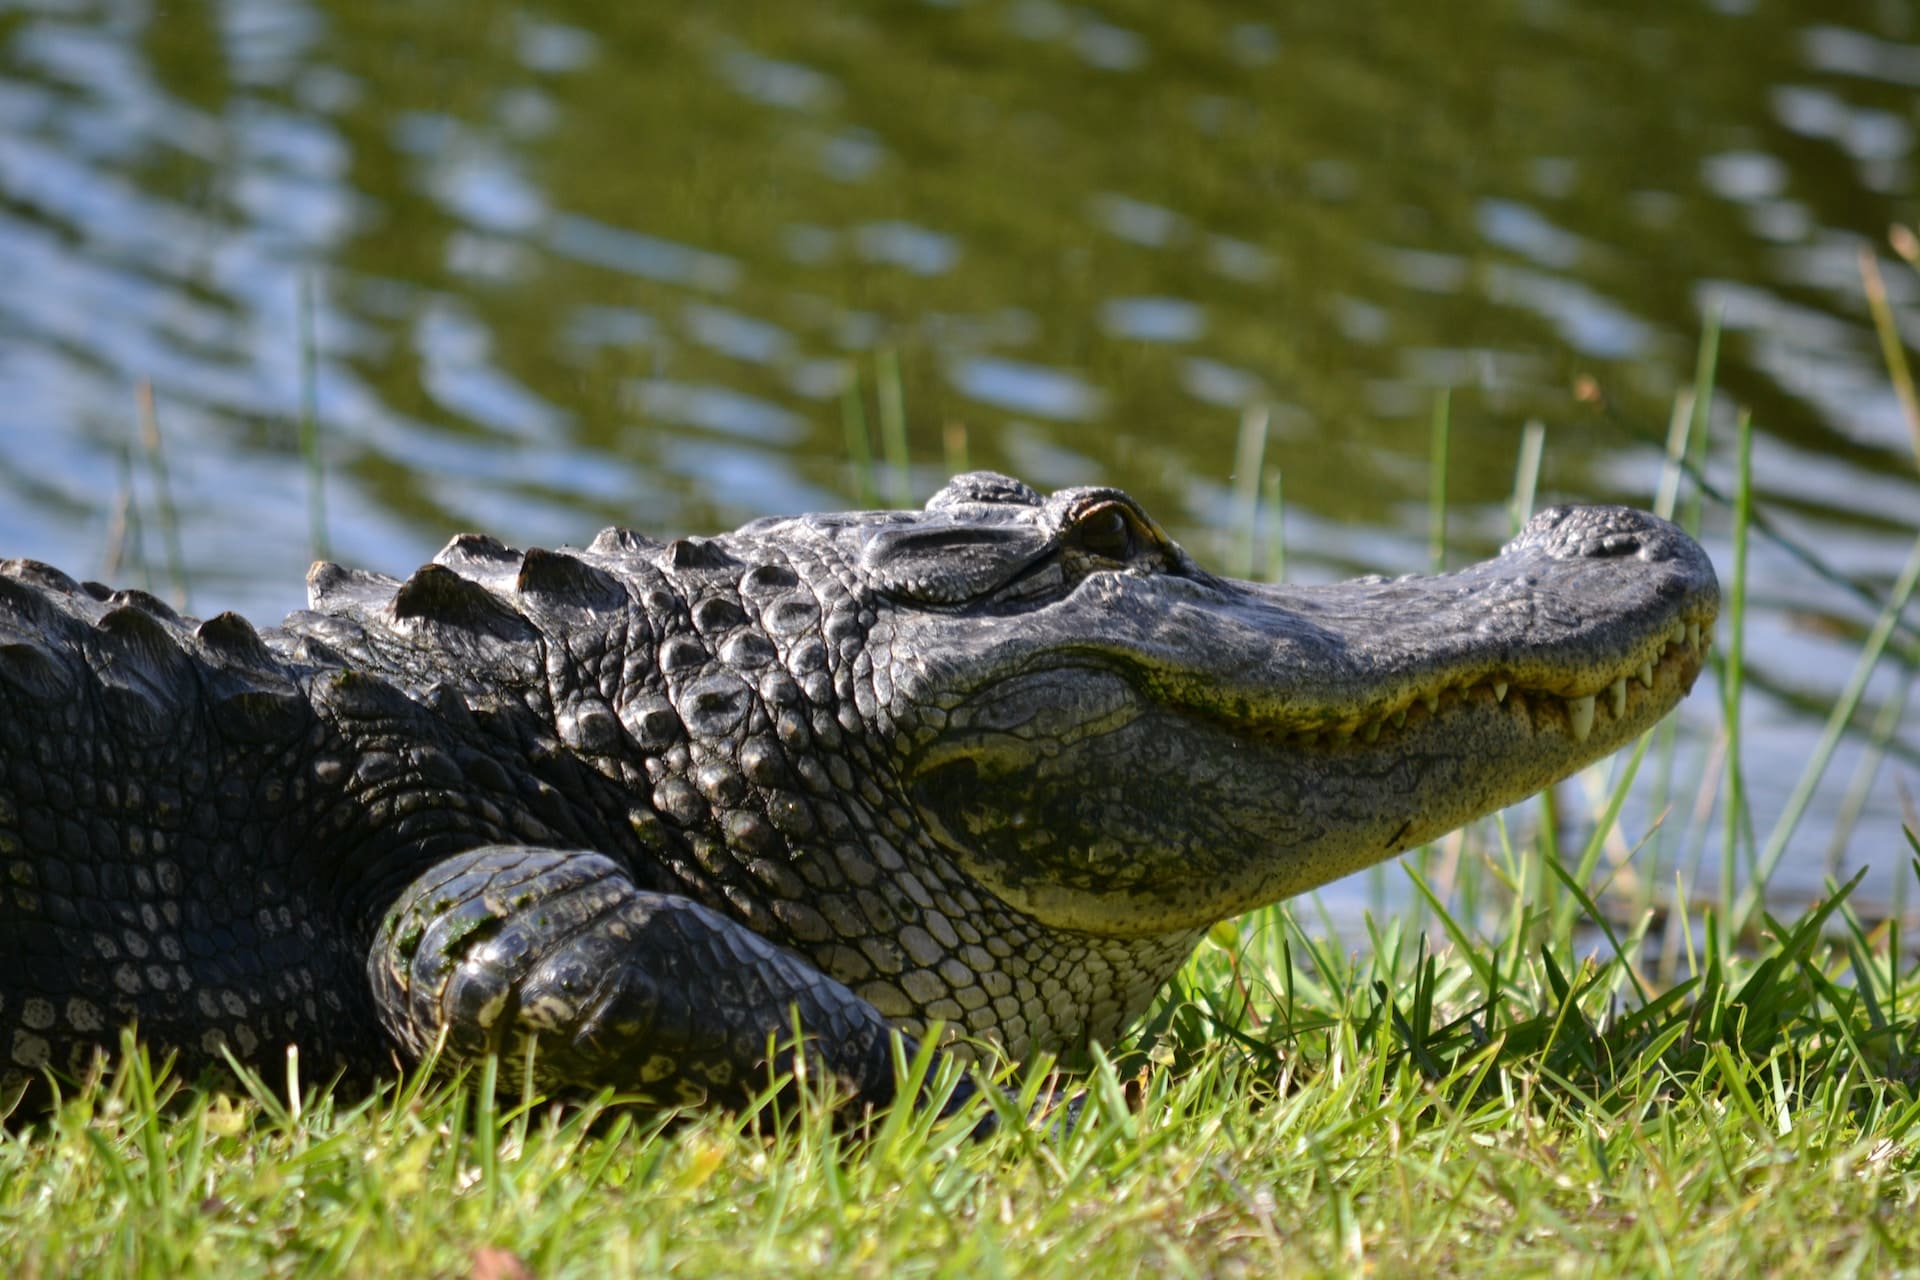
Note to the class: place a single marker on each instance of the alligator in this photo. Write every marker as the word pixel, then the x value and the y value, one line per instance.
pixel 644 810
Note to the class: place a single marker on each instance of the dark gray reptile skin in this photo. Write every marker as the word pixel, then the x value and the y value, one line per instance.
pixel 995 764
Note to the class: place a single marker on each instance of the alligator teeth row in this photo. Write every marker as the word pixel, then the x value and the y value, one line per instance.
pixel 1580 712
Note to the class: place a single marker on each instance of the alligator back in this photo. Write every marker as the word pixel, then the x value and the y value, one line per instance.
pixel 149 781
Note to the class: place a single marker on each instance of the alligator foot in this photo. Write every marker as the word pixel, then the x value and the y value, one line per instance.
pixel 647 992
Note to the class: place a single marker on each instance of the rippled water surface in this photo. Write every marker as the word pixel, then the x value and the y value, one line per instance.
pixel 544 266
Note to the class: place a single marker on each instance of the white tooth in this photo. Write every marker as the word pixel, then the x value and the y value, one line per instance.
pixel 1693 635
pixel 1679 635
pixel 1580 716
pixel 1499 690
pixel 1619 692
pixel 1646 674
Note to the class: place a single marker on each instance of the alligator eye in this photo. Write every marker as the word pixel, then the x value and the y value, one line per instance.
pixel 1105 532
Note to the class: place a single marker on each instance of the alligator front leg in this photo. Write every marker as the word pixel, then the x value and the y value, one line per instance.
pixel 645 992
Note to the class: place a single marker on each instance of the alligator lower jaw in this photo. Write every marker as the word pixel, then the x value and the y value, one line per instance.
pixel 1617 702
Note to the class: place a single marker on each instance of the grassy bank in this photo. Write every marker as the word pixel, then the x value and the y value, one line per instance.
pixel 1293 1110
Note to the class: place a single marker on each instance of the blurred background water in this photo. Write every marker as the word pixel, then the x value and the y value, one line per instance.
pixel 546 266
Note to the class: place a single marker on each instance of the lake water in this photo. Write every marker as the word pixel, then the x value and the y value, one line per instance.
pixel 559 265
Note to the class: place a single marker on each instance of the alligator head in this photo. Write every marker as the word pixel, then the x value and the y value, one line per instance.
pixel 1116 742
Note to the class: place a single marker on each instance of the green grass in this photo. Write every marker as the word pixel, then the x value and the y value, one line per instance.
pixel 1460 1102
pixel 1538 1066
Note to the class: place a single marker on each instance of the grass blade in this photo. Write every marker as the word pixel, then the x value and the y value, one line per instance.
pixel 1892 350
pixel 1437 483
pixel 155 448
pixel 1249 452
pixel 1733 669
pixel 310 426
pixel 1526 474
pixel 893 427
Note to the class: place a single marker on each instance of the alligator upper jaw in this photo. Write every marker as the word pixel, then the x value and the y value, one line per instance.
pixel 1377 679
pixel 1587 606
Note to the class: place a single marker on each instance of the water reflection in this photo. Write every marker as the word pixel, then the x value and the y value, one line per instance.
pixel 563 266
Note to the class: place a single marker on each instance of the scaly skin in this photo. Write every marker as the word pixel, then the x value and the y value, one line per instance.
pixel 995 764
